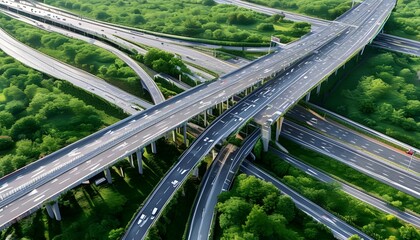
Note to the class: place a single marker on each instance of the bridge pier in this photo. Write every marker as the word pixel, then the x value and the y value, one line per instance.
pixel 308 96
pixel 266 136
pixel 279 123
pixel 363 49
pixel 53 210
pixel 318 88
pixel 108 176
pixel 153 146
pixel 139 154
pixel 174 135
pixel 210 111
pixel 185 134
pixel 131 160
pixel 205 118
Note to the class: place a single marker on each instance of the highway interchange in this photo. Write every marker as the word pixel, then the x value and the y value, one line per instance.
pixel 85 169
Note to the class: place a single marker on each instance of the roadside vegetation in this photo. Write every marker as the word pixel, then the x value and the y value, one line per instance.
pixel 329 196
pixel 100 212
pixel 405 20
pixel 255 209
pixel 327 9
pixel 80 54
pixel 353 177
pixel 383 94
pixel 39 115
pixel 202 19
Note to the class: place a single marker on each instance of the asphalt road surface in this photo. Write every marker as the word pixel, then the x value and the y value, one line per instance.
pixel 339 228
pixel 375 202
pixel 399 179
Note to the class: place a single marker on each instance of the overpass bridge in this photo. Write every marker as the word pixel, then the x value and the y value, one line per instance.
pixel 255 102
pixel 25 190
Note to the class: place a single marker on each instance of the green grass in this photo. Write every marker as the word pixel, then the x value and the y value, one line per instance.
pixel 349 175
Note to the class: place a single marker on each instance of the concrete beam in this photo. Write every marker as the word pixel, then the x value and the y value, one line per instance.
pixel 108 176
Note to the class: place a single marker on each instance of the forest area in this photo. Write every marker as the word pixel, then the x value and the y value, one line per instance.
pixel 39 115
pixel 190 18
pixel 384 94
pixel 254 209
pixel 78 53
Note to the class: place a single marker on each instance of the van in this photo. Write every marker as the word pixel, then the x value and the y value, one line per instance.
pixel 154 213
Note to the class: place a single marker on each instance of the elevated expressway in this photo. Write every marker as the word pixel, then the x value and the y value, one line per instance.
pixel 70 166
pixel 255 102
pixel 385 41
pixel 12 46
pixel 25 190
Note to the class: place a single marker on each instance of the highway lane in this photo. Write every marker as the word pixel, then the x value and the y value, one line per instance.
pixel 114 31
pixel 59 70
pixel 333 56
pixel 339 228
pixel 159 117
pixel 355 139
pixel 162 117
pixel 385 41
pixel 401 180
pixel 256 101
pixel 218 178
pixel 147 81
pixel 397 44
pixel 375 202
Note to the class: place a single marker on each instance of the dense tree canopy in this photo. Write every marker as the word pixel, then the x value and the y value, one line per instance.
pixel 255 209
pixel 36 117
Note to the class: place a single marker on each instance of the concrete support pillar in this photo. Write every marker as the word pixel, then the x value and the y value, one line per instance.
pixel 205 118
pixel 139 154
pixel 227 104
pixel 344 66
pixel 131 160
pixel 185 134
pixel 195 172
pixel 108 176
pixel 213 154
pixel 363 49
pixel 336 71
pixel 266 136
pixel 174 135
pixel 308 96
pixel 49 210
pixel 279 123
pixel 56 211
pixel 220 108
pixel 318 89
pixel 153 146
pixel 210 111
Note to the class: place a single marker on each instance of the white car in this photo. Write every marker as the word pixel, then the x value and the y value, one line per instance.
pixel 142 217
pixel 154 213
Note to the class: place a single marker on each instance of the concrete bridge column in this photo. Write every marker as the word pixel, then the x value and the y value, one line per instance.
pixel 210 111
pixel 49 210
pixel 108 176
pixel 185 134
pixel 153 146
pixel 56 211
pixel 318 88
pixel 308 96
pixel 266 136
pixel 344 66
pixel 336 71
pixel 363 49
pixel 279 123
pixel 205 118
pixel 174 135
pixel 213 154
pixel 139 154
pixel 131 160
